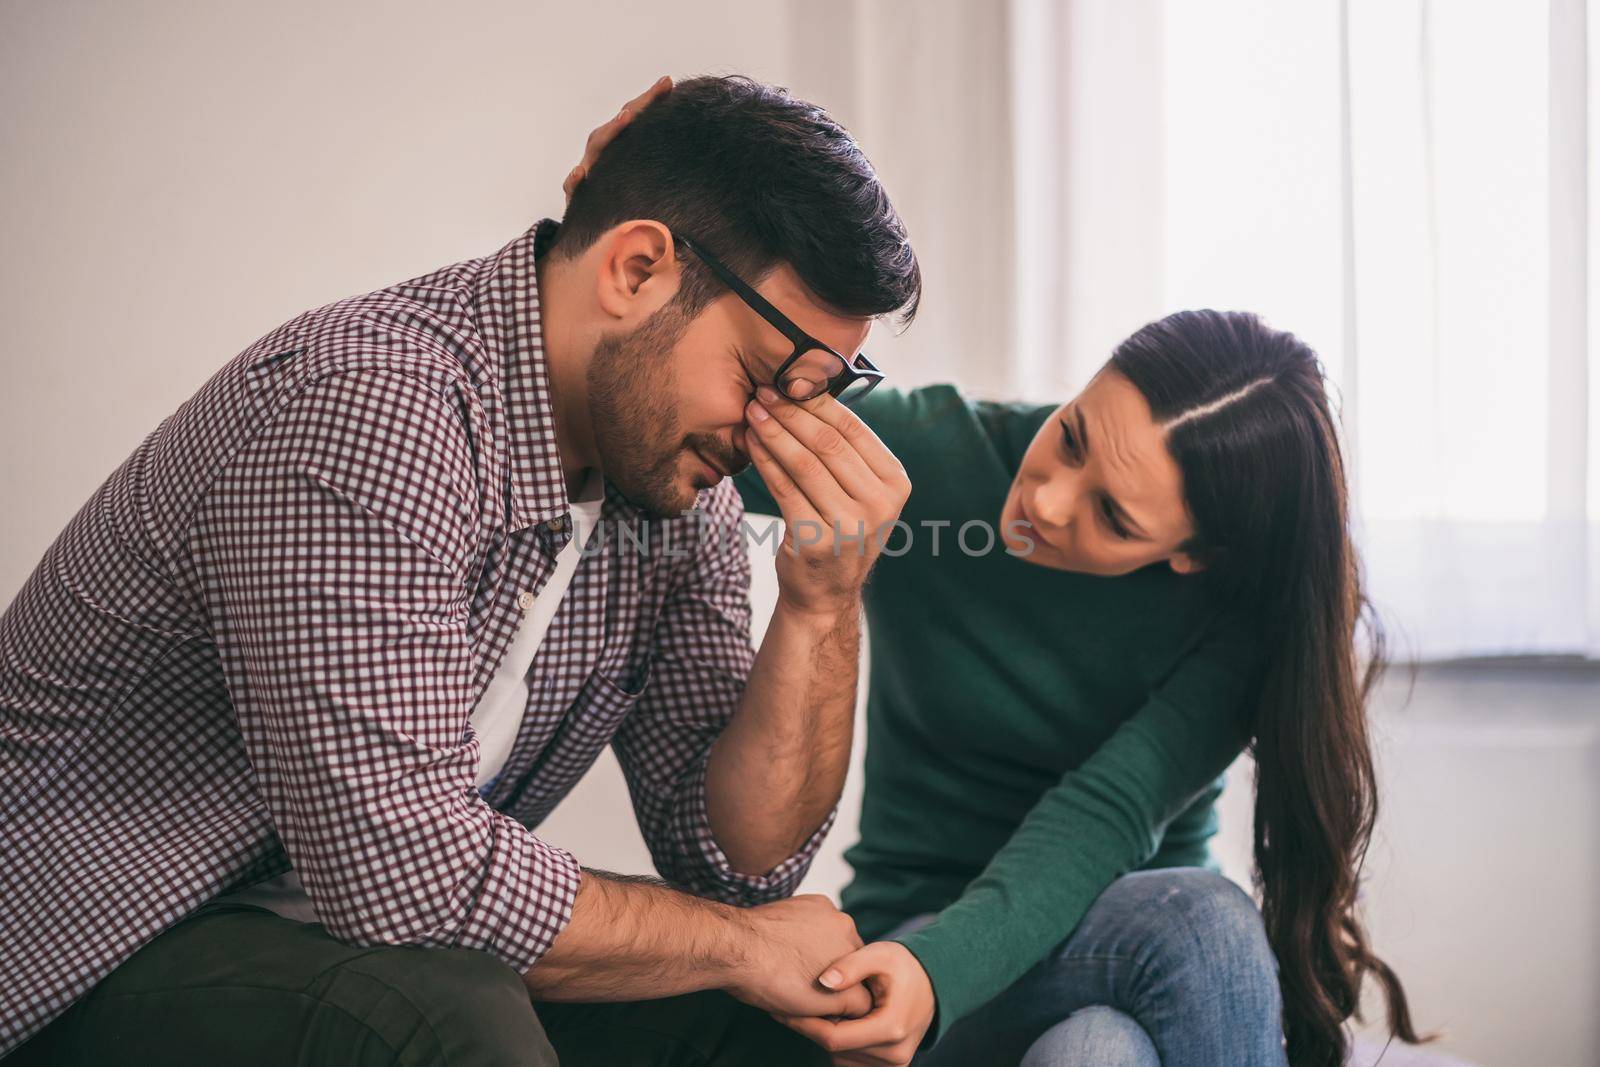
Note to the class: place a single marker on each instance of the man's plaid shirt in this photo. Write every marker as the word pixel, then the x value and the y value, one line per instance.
pixel 259 642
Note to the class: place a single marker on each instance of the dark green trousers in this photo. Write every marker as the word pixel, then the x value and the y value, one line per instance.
pixel 240 986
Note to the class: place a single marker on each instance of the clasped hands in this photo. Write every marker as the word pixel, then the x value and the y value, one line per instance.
pixel 869 1005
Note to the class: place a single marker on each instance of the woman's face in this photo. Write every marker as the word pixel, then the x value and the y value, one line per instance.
pixel 1099 489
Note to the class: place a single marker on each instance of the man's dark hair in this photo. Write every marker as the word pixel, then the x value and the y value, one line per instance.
pixel 759 178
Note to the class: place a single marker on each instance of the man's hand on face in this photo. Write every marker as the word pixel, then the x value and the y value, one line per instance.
pixel 791 942
pixel 839 489
pixel 821 463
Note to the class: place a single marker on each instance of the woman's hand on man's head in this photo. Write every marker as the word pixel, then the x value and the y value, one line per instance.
pixel 603 135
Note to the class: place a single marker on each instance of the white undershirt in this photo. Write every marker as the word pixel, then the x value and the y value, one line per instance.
pixel 497 717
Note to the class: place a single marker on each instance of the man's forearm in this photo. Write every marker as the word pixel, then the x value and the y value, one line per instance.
pixel 635 939
pixel 779 767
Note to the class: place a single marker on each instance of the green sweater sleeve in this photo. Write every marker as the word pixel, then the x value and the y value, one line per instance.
pixel 1103 819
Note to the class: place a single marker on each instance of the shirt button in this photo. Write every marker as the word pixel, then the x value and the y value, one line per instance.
pixel 556 525
pixel 525 600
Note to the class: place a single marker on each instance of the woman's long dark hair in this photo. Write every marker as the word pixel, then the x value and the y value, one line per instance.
pixel 1249 422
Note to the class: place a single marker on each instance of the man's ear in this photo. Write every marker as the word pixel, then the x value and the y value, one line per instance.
pixel 637 270
pixel 1184 563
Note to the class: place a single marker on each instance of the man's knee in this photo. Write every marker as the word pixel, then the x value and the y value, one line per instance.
pixel 305 999
pixel 450 1006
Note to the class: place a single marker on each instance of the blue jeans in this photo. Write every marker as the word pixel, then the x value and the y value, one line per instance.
pixel 1169 968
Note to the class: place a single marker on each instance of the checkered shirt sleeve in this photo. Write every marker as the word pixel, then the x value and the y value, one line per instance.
pixel 700 659
pixel 336 552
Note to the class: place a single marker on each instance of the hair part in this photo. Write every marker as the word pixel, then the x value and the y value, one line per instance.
pixel 1250 425
pixel 761 178
pixel 1211 407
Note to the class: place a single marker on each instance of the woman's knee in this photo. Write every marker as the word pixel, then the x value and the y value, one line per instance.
pixel 1196 922
pixel 1095 1035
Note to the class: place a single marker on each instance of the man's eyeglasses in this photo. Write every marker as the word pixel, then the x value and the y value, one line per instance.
pixel 812 368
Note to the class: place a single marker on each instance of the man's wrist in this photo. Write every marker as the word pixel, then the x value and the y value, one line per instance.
pixel 822 617
pixel 733 948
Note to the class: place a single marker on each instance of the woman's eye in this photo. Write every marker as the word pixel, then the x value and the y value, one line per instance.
pixel 1115 526
pixel 1069 442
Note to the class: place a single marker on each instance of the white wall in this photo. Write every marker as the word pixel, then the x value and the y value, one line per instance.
pixel 1482 886
pixel 178 178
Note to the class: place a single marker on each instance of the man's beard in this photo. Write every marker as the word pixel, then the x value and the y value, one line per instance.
pixel 633 394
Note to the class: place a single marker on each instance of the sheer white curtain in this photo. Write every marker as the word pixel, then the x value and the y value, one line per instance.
pixel 1403 183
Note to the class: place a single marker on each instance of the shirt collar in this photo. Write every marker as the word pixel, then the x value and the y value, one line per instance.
pixel 506 294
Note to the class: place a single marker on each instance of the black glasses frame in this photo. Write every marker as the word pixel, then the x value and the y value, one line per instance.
pixel 860 369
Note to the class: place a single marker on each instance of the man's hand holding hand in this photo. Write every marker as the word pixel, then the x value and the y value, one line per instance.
pixel 903 1006
pixel 790 942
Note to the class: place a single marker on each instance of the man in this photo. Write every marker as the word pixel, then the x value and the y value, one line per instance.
pixel 280 707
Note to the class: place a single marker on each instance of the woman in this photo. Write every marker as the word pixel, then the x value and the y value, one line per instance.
pixel 1041 722
pixel 1049 715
